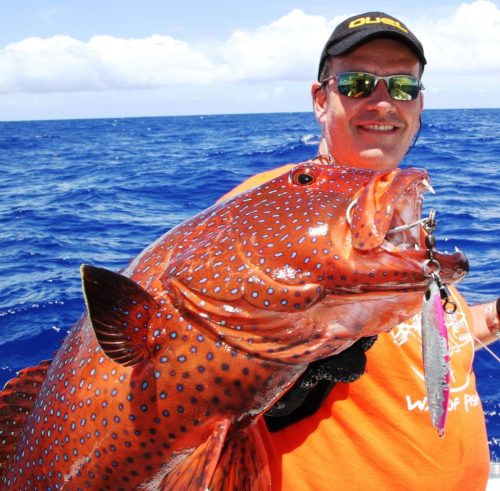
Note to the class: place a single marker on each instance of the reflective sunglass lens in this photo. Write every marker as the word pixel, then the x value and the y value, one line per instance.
pixel 404 88
pixel 359 84
pixel 356 84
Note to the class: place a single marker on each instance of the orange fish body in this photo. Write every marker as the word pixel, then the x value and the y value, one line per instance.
pixel 160 384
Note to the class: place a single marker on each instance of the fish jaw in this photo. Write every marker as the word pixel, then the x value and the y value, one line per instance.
pixel 385 254
pixel 389 268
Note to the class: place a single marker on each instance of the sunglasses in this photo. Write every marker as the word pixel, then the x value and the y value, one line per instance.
pixel 361 84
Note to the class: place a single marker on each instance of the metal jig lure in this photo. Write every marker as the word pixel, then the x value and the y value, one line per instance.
pixel 435 352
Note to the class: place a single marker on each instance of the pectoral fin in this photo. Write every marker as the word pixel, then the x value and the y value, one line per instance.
pixel 120 313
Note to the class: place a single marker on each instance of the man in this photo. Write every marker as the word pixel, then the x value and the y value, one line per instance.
pixel 375 433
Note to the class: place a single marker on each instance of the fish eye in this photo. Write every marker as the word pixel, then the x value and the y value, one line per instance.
pixel 303 177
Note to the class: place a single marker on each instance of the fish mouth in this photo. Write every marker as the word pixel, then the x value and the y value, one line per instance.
pixel 391 207
pixel 406 225
pixel 387 213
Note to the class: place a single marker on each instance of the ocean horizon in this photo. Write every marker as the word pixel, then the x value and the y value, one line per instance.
pixel 222 114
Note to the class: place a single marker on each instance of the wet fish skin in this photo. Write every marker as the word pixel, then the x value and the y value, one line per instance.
pixel 159 385
pixel 436 357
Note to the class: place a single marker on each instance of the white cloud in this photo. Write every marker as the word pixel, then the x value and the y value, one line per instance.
pixel 64 64
pixel 279 59
pixel 287 49
pixel 465 42
pixel 155 61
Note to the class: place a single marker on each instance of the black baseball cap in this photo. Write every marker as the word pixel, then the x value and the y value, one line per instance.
pixel 362 28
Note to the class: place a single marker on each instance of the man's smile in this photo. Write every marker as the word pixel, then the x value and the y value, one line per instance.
pixel 378 127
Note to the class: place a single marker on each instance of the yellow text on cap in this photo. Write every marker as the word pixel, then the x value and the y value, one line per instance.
pixel 361 21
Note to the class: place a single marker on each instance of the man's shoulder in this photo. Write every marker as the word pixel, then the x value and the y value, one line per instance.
pixel 257 180
pixel 267 175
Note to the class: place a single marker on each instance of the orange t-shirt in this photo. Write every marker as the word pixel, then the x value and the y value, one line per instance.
pixel 376 433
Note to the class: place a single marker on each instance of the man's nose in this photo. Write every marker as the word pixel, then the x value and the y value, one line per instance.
pixel 380 97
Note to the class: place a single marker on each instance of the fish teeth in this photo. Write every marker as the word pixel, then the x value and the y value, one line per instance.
pixel 428 186
pixel 348 211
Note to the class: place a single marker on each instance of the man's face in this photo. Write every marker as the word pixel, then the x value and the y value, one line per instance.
pixel 374 132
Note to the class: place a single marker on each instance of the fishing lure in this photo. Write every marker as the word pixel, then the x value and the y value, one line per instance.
pixel 435 355
pixel 435 350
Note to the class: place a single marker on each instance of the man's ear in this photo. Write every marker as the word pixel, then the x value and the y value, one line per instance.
pixel 319 101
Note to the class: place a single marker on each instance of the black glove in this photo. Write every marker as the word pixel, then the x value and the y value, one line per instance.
pixel 314 385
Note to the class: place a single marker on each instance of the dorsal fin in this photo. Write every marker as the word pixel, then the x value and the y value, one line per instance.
pixel 120 312
pixel 16 401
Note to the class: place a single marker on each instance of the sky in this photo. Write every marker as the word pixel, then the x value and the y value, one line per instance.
pixel 70 59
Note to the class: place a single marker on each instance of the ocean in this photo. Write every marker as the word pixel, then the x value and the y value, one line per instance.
pixel 99 191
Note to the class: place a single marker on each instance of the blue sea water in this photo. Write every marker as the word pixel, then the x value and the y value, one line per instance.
pixel 99 191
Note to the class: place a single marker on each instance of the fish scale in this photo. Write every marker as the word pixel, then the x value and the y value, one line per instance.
pixel 160 384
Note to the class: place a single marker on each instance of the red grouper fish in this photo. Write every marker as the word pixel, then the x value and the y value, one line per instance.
pixel 160 385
